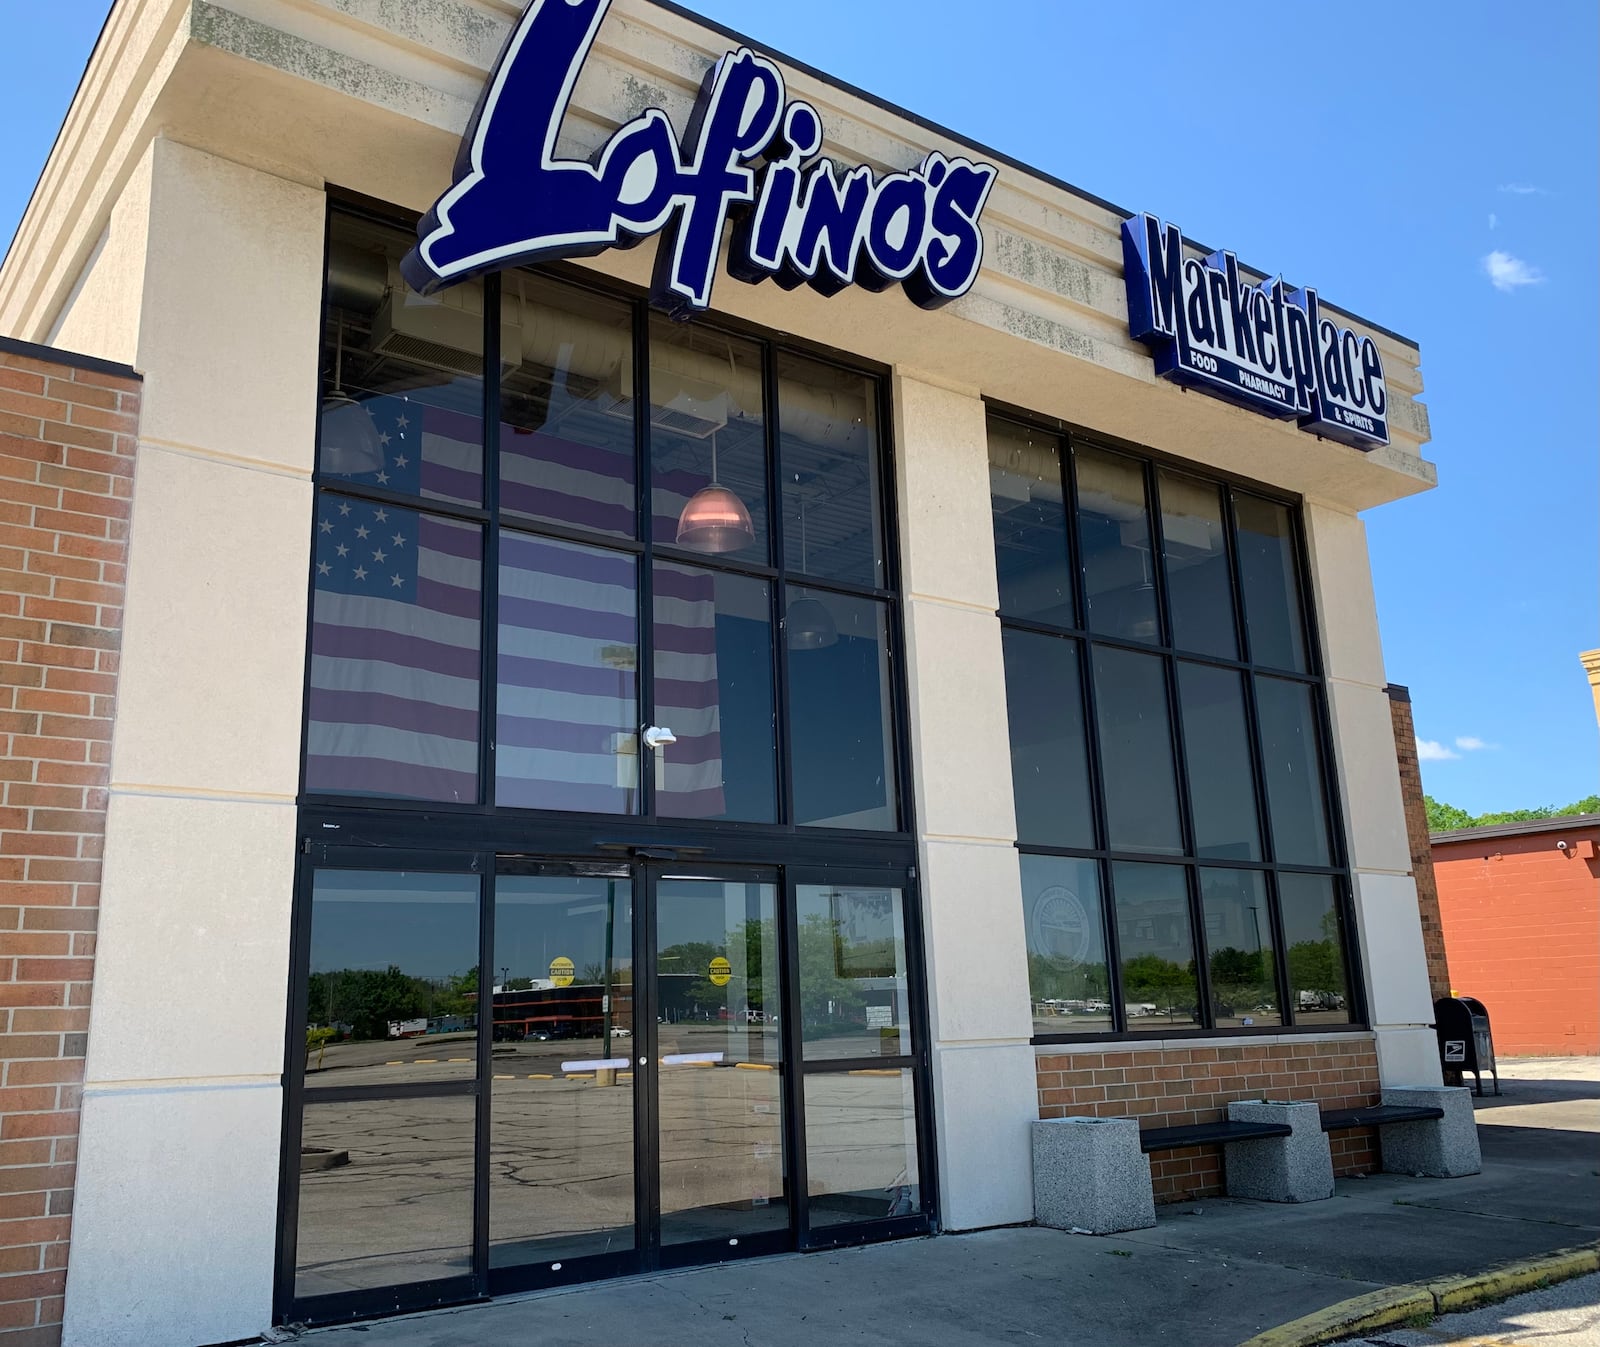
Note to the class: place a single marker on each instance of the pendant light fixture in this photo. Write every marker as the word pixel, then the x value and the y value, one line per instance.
pixel 809 624
pixel 715 519
pixel 348 439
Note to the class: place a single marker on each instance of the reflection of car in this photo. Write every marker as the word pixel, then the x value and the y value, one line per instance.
pixel 622 1033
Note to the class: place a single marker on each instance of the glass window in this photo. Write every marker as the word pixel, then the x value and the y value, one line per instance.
pixel 861 1146
pixel 828 451
pixel 1269 576
pixel 841 731
pixel 385 1193
pixel 713 689
pixel 1313 931
pixel 1049 757
pixel 1068 980
pixel 1140 784
pixel 402 374
pixel 1216 748
pixel 393 994
pixel 853 996
pixel 1030 524
pixel 720 1084
pixel 1114 542
pixel 1289 747
pixel 1159 990
pixel 567 407
pixel 561 1159
pixel 568 705
pixel 1194 548
pixel 708 452
pixel 1244 987
pixel 393 707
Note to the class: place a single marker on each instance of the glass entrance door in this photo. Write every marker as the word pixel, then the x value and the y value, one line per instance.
pixel 721 1079
pixel 526 1073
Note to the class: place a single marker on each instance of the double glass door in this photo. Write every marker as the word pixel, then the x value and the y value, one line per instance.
pixel 661 1064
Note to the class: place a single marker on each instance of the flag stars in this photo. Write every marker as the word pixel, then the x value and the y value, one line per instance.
pixel 397 581
pixel 342 550
pixel 383 437
pixel 402 461
pixel 344 508
pixel 380 555
pixel 324 569
pixel 383 479
pixel 399 540
pixel 361 572
pixel 402 421
pixel 362 530
pixel 325 525
pixel 381 517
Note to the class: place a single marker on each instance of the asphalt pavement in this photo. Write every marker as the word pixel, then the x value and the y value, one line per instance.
pixel 1209 1274
pixel 1567 1315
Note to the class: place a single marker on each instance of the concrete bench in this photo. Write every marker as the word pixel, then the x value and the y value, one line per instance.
pixel 1426 1130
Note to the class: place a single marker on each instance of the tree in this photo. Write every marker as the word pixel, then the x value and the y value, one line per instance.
pixel 1443 818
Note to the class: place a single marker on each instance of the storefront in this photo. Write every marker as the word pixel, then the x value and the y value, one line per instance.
pixel 634 756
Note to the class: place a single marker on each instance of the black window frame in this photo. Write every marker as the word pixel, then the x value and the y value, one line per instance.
pixel 485 839
pixel 1070 438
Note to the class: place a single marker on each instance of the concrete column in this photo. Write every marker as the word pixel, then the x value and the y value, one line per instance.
pixel 175 1221
pixel 1389 926
pixel 983 1068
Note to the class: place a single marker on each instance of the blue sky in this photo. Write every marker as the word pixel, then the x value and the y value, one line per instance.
pixel 1429 165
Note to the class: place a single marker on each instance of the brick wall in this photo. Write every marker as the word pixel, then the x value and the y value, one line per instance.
pixel 1173 1086
pixel 67 434
pixel 1405 745
pixel 1522 921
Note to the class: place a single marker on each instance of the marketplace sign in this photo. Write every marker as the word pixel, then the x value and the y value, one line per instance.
pixel 748 154
pixel 1262 346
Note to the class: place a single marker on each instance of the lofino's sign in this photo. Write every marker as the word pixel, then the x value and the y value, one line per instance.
pixel 1261 346
pixel 747 154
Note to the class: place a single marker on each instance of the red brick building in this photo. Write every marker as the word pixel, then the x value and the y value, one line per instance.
pixel 1520 904
pixel 67 431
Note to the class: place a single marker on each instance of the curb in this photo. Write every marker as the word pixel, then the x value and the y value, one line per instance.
pixel 1442 1295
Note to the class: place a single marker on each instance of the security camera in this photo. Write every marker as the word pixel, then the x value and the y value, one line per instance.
pixel 1561 846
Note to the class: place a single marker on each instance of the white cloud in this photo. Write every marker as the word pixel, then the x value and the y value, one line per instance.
pixel 1469 743
pixel 1521 189
pixel 1508 273
pixel 1494 221
pixel 1431 750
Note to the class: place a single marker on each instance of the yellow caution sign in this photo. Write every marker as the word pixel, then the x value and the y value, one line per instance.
pixel 561 971
pixel 721 972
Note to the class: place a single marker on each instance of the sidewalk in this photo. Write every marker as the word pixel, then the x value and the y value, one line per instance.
pixel 1210 1274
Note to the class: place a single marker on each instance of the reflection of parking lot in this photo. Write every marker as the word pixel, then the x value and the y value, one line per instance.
pixel 561 1159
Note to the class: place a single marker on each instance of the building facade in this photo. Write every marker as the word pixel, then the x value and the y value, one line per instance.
pixel 622 762
pixel 1520 903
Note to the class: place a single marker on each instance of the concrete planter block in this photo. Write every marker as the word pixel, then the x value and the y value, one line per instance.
pixel 1295 1168
pixel 1090 1175
pixel 1446 1148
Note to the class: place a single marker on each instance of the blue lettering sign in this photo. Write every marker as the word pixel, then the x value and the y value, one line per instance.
pixel 748 155
pixel 1260 346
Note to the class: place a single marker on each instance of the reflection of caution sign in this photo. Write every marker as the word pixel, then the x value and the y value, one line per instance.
pixel 720 972
pixel 561 971
pixel 1455 1049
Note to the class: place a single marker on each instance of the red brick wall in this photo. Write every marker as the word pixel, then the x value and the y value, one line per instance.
pixel 1522 923
pixel 1405 744
pixel 67 434
pixel 1169 1087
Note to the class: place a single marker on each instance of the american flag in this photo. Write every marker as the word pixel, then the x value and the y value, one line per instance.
pixel 395 648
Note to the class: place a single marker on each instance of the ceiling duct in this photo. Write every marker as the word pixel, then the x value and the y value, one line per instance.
pixel 443 331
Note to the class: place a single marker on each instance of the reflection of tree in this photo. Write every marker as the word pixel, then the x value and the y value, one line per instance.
pixel 366 999
pixel 1053 978
pixel 1240 977
pixel 1315 965
pixel 1149 977
pixel 827 1001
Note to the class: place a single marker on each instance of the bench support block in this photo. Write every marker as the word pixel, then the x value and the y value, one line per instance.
pixel 1446 1148
pixel 1295 1168
pixel 1090 1175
